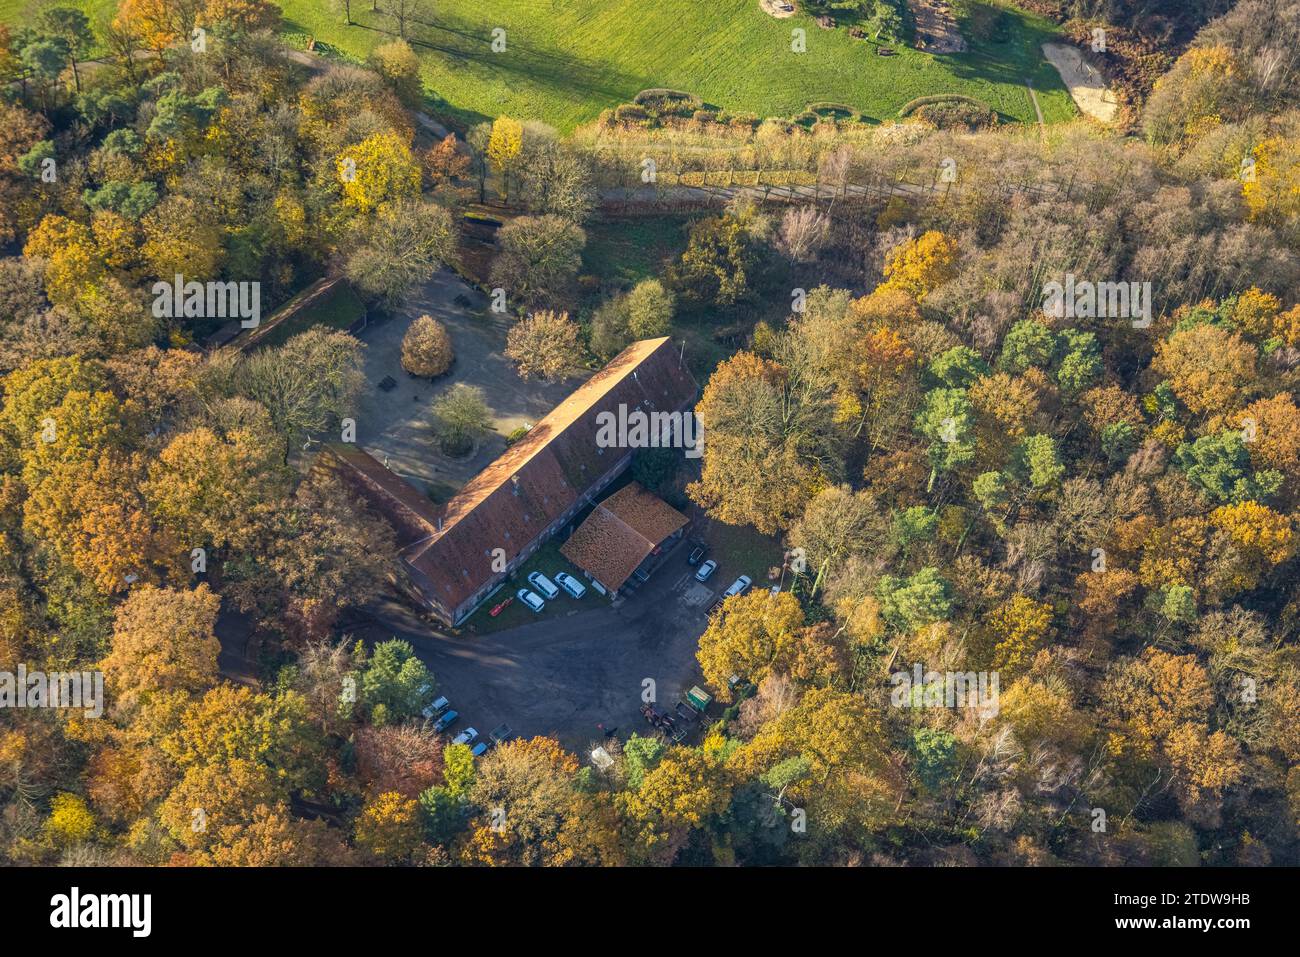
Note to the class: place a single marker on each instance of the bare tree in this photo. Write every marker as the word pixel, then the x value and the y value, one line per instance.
pixel 346 7
pixel 404 11
pixel 803 232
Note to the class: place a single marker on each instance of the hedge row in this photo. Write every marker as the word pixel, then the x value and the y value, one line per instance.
pixel 937 98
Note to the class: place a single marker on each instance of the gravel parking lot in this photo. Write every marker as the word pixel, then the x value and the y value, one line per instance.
pixel 580 664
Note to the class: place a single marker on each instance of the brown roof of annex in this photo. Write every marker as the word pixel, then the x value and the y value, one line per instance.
pixel 621 533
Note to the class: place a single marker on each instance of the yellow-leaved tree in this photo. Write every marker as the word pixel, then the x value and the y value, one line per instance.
pixel 504 146
pixel 919 266
pixel 379 169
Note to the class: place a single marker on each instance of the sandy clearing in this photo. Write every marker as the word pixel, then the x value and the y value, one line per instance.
pixel 773 8
pixel 1086 83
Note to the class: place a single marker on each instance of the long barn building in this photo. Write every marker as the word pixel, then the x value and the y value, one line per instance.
pixel 452 557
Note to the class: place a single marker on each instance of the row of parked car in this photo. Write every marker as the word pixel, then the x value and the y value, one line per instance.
pixel 706 568
pixel 549 589
pixel 443 716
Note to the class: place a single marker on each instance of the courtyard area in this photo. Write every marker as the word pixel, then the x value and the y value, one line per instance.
pixel 395 424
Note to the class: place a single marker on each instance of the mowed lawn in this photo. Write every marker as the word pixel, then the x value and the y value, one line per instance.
pixel 566 60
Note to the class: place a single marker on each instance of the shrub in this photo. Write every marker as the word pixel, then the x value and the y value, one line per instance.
pixel 460 414
pixel 912 105
pixel 956 115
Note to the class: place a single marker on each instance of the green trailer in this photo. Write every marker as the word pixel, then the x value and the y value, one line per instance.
pixel 699 699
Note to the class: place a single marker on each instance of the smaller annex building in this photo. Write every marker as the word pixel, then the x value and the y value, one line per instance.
pixel 623 536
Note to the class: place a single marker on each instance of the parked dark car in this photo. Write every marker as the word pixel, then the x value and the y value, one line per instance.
pixel 697 554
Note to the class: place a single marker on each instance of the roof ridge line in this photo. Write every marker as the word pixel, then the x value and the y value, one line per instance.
pixel 544 444
pixel 618 518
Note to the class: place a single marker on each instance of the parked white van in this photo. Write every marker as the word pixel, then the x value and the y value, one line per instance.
pixel 531 600
pixel 570 584
pixel 543 585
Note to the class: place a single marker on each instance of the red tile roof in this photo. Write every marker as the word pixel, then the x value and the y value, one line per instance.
pixel 538 479
pixel 412 516
pixel 620 534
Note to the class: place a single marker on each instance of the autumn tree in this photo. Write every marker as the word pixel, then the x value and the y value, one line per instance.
pixel 543 345
pixel 837 523
pixel 163 641
pixel 206 489
pixel 526 799
pixel 1209 368
pixel 919 266
pixel 1271 435
pixel 446 163
pixel 554 179
pixel 460 415
pixel 684 791
pixel 317 553
pixel 377 170
pixel 849 780
pixel 70 821
pixel 406 243
pixel 397 63
pixel 389 828
pixel 538 258
pixel 645 312
pixel 92 515
pixel 716 265
pixel 236 749
pixel 1012 634
pixel 180 238
pixel 273 837
pixel 163 22
pixel 426 348
pixel 504 144
pixel 770 444
pixel 757 634
pixel 802 233
pixel 307 384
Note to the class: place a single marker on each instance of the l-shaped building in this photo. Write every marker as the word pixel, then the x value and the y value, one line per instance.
pixel 452 557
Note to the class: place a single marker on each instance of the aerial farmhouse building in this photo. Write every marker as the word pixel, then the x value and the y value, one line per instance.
pixel 623 536
pixel 452 557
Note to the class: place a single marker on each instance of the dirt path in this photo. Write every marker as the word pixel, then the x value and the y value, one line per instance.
pixel 1042 127
pixel 1088 85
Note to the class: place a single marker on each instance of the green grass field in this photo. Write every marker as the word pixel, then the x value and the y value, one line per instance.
pixel 566 60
